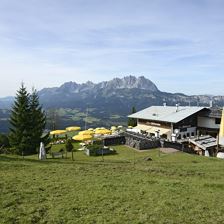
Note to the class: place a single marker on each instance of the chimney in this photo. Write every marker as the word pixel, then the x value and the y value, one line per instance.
pixel 211 104
pixel 177 107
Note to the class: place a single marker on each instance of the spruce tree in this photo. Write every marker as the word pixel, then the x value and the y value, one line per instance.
pixel 37 119
pixel 20 122
pixel 132 121
pixel 27 122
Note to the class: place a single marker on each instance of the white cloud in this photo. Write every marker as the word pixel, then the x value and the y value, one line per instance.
pixel 47 42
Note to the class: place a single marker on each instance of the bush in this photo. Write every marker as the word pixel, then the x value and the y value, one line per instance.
pixel 68 145
pixel 98 142
pixel 4 141
pixel 94 147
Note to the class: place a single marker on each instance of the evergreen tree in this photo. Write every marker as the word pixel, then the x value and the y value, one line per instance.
pixel 132 121
pixel 133 110
pixel 20 122
pixel 37 119
pixel 27 122
pixel 4 140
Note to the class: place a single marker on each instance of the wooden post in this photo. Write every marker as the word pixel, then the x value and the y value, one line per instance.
pixel 102 155
pixel 134 157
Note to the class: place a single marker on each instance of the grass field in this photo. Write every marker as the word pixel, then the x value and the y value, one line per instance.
pixel 172 188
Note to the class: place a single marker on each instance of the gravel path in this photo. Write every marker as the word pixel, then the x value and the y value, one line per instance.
pixel 168 150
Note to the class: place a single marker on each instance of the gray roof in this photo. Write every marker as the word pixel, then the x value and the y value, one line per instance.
pixel 214 112
pixel 204 142
pixel 166 113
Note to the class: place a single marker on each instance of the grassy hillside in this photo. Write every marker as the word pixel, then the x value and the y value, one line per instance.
pixel 172 188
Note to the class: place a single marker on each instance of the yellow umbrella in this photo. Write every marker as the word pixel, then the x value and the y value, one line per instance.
pixel 120 126
pixel 82 137
pixel 73 128
pixel 221 130
pixel 103 131
pixel 113 128
pixel 87 132
pixel 130 126
pixel 57 132
pixel 90 129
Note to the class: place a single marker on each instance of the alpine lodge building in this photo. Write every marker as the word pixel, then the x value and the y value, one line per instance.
pixel 176 122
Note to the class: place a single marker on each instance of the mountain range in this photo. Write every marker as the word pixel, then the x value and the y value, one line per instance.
pixel 109 102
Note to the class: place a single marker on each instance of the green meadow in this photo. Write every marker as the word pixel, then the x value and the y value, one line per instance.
pixel 121 188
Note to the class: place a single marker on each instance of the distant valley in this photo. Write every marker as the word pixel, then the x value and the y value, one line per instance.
pixel 105 103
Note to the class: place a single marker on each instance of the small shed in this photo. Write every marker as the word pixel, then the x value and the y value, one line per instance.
pixel 204 145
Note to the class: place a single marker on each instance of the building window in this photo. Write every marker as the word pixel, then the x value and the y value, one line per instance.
pixel 183 129
pixel 217 120
pixel 192 133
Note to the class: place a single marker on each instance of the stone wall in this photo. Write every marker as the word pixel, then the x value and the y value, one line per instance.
pixel 139 141
pixel 114 140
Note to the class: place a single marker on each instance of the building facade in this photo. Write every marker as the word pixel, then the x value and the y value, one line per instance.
pixel 209 121
pixel 175 122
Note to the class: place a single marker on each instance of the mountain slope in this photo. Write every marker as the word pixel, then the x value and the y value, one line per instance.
pixel 117 95
pixel 109 102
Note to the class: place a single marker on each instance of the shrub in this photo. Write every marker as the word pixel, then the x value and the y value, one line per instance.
pixel 98 142
pixel 68 145
pixel 4 141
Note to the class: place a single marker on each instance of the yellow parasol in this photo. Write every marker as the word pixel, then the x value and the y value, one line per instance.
pixel 73 128
pixel 103 131
pixel 58 132
pixel 113 128
pixel 90 129
pixel 87 132
pixel 82 137
pixel 130 126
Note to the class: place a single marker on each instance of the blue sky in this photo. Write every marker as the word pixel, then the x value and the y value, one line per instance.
pixel 178 44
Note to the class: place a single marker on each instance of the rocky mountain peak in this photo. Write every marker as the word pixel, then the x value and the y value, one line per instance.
pixel 127 82
pixel 130 82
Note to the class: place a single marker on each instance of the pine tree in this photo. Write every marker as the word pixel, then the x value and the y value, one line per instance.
pixel 132 121
pixel 4 141
pixel 37 119
pixel 20 122
pixel 27 122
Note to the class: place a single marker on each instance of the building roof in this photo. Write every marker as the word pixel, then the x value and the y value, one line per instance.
pixel 166 113
pixel 204 142
pixel 213 112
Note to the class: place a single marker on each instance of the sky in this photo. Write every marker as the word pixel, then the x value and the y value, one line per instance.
pixel 177 44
